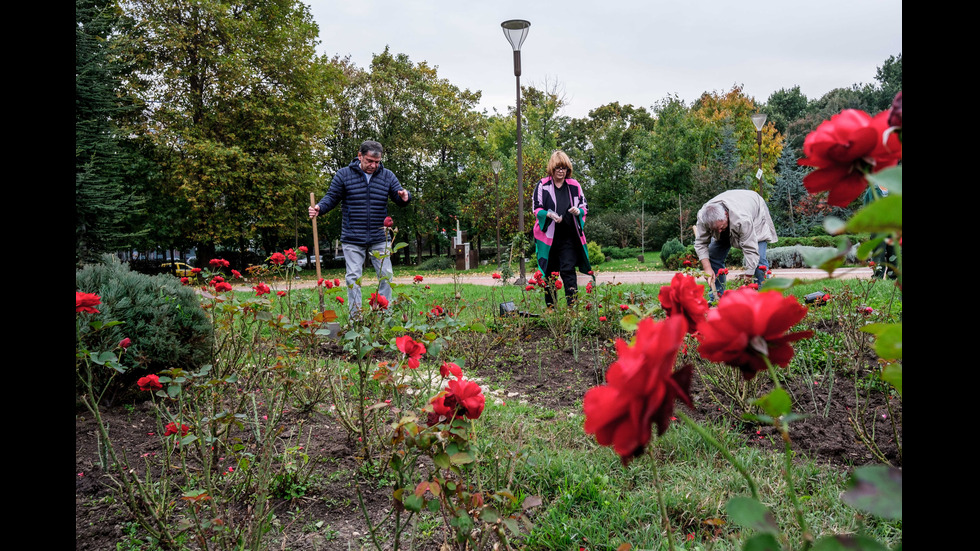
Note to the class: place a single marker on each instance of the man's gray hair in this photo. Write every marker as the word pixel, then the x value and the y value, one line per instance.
pixel 714 213
pixel 372 147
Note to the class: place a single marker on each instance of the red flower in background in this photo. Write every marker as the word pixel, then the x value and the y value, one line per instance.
pixel 449 368
pixel 641 389
pixel 417 279
pixel 85 302
pixel 262 289
pixel 389 222
pixel 303 249
pixel 336 282
pixel 124 344
pixel 460 398
pixel 722 271
pixel 195 270
pixel 150 382
pixel 496 275
pixel 684 297
pixel 410 348
pixel 895 118
pixel 378 302
pixel 623 307
pixel 185 281
pixel 278 259
pixel 222 287
pixel 748 325
pixel 236 274
pixel 602 318
pixel 844 149
pixel 281 293
pixel 172 429
pixel 340 300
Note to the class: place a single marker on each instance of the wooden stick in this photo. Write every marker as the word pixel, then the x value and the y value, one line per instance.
pixel 316 252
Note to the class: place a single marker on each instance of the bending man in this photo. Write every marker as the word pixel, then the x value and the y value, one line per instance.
pixel 736 218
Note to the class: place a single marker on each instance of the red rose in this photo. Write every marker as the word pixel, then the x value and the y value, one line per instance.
pixel 389 222
pixel 172 429
pixel 262 289
pixel 460 398
pixel 588 287
pixel 623 307
pixel 340 300
pixel 687 262
pixel 84 302
pixel 303 249
pixel 195 270
pixel 336 283
pixel 723 271
pixel 748 325
pixel 844 149
pixel 236 274
pixel 437 311
pixel 602 318
pixel 150 382
pixel 291 254
pixel 378 301
pixel 217 279
pixel 281 293
pixel 417 279
pixel 640 390
pixel 278 259
pixel 413 350
pixel 558 284
pixel 222 287
pixel 895 118
pixel 495 275
pixel 529 288
pixel 449 368
pixel 684 297
pixel 124 344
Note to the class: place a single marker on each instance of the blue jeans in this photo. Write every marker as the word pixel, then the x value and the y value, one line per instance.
pixel 718 252
pixel 354 256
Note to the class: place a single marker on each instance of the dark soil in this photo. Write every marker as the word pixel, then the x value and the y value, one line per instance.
pixel 531 367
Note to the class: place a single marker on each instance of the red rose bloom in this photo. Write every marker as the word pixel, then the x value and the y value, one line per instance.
pixel 85 302
pixel 150 382
pixel 722 271
pixel 389 222
pixel 236 274
pixel 291 254
pixel 602 318
pixel 340 300
pixel 417 279
pixel 529 288
pixel 336 283
pixel 185 281
pixel 460 398
pixel 558 284
pixel 588 287
pixel 124 344
pixel 623 307
pixel 378 302
pixel 262 289
pixel 449 368
pixel 684 297
pixel 413 350
pixel 281 293
pixel 495 275
pixel 303 249
pixel 844 149
pixel 640 389
pixel 895 118
pixel 748 325
pixel 278 259
pixel 172 429
pixel 222 287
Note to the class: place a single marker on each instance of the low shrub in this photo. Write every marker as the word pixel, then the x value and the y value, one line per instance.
pixel 670 248
pixel 596 256
pixel 794 257
pixel 437 263
pixel 162 318
pixel 620 253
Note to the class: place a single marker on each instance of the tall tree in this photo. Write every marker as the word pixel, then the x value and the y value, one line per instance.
pixel 236 95
pixel 105 162
pixel 785 106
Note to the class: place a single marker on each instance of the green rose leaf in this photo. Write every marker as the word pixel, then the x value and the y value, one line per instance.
pixel 843 542
pixel 876 489
pixel 761 542
pixel 776 403
pixel 749 513
pixel 884 215
pixel 412 502
pixel 890 179
pixel 892 374
pixel 888 344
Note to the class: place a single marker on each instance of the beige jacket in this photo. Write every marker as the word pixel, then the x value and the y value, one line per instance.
pixel 748 220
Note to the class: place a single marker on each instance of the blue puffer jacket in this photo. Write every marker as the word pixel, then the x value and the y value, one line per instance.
pixel 365 205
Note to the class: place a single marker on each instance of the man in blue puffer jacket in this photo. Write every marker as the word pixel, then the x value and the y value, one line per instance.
pixel 364 188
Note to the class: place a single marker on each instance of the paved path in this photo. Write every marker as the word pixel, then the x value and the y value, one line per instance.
pixel 625 277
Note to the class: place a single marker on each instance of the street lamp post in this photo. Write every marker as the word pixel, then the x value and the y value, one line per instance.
pixel 515 30
pixel 496 166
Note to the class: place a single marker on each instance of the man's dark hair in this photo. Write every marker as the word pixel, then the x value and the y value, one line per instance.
pixel 372 147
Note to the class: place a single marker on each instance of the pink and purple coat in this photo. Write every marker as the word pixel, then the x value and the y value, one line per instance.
pixel 544 200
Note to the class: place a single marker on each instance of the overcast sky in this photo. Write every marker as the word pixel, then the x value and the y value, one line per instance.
pixel 631 51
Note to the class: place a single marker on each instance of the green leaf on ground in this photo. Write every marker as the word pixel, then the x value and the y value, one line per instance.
pixel 749 513
pixel 876 489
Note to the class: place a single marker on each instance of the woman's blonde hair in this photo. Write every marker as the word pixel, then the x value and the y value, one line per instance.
pixel 559 159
